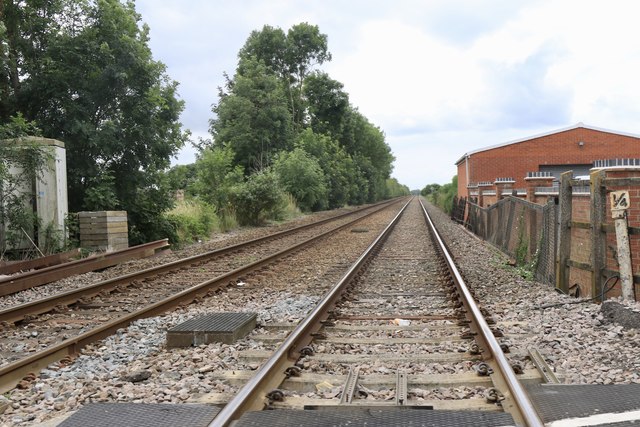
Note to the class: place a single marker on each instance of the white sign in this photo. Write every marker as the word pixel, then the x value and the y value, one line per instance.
pixel 619 200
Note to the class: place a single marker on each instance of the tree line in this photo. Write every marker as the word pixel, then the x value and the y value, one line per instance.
pixel 442 195
pixel 282 130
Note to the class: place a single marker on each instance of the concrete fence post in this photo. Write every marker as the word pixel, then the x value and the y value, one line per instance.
pixel 598 236
pixel 564 232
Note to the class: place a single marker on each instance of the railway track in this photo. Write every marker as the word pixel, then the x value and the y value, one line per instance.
pixel 55 327
pixel 399 330
pixel 39 277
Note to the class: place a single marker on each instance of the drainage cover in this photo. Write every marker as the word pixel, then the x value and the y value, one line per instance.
pixel 141 415
pixel 216 327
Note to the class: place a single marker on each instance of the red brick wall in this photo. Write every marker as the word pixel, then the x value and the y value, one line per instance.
pixel 515 160
pixel 462 180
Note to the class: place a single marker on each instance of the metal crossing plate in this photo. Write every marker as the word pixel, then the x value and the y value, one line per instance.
pixel 350 416
pixel 216 327
pixel 559 402
pixel 141 415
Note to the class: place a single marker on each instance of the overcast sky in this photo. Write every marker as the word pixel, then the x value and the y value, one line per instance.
pixel 440 78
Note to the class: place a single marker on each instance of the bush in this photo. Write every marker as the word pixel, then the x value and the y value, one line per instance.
pixel 258 199
pixel 442 196
pixel 193 221
pixel 301 176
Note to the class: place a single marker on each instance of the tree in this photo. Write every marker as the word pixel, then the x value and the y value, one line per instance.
pixel 328 104
pixel 252 117
pixel 290 57
pixel 86 76
pixel 442 195
pixel 430 189
pixel 181 177
pixel 301 176
pixel 340 172
pixel 258 198
pixel 215 176
pixel 395 189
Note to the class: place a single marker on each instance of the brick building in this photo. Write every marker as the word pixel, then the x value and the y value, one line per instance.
pixel 517 165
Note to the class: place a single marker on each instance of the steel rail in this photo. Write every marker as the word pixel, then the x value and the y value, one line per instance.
pixel 252 396
pixel 43 305
pixel 526 412
pixel 11 374
pixel 36 263
pixel 31 279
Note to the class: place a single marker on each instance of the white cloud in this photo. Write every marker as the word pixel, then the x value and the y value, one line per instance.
pixel 440 77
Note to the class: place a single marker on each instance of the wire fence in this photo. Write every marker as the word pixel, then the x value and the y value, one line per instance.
pixel 525 231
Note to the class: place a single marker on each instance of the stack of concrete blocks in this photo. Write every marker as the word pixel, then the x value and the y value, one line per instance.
pixel 104 230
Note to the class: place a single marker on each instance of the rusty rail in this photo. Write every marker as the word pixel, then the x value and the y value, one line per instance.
pixel 42 262
pixel 31 279
pixel 519 404
pixel 13 372
pixel 253 395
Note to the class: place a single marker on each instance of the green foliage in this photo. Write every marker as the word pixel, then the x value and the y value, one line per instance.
pixel 17 127
pixel 181 177
pixel 290 209
pixel 328 104
pixel 193 220
pixel 430 189
pixel 258 199
pixel 145 210
pixel 84 73
pixel 22 162
pixel 215 174
pixel 289 57
pixel 72 231
pixel 395 189
pixel 252 117
pixel 342 177
pixel 301 176
pixel 371 154
pixel 442 196
pixel 276 75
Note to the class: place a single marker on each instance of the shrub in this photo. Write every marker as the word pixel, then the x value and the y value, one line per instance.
pixel 192 220
pixel 258 199
pixel 301 176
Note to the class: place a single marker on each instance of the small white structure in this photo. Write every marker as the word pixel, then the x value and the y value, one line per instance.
pixel 49 190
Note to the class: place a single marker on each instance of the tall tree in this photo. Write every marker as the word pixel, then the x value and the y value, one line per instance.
pixel 328 104
pixel 252 117
pixel 291 57
pixel 87 77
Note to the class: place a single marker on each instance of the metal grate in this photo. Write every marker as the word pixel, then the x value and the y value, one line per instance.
pixel 216 327
pixel 351 416
pixel 141 415
pixel 557 402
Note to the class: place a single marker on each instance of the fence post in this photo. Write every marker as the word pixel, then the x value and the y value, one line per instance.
pixel 564 232
pixel 533 232
pixel 598 237
pixel 509 228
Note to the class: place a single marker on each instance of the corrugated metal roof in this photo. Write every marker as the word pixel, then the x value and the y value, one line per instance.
pixel 576 126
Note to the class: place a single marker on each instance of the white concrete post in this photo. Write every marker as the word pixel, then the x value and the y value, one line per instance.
pixel 619 206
